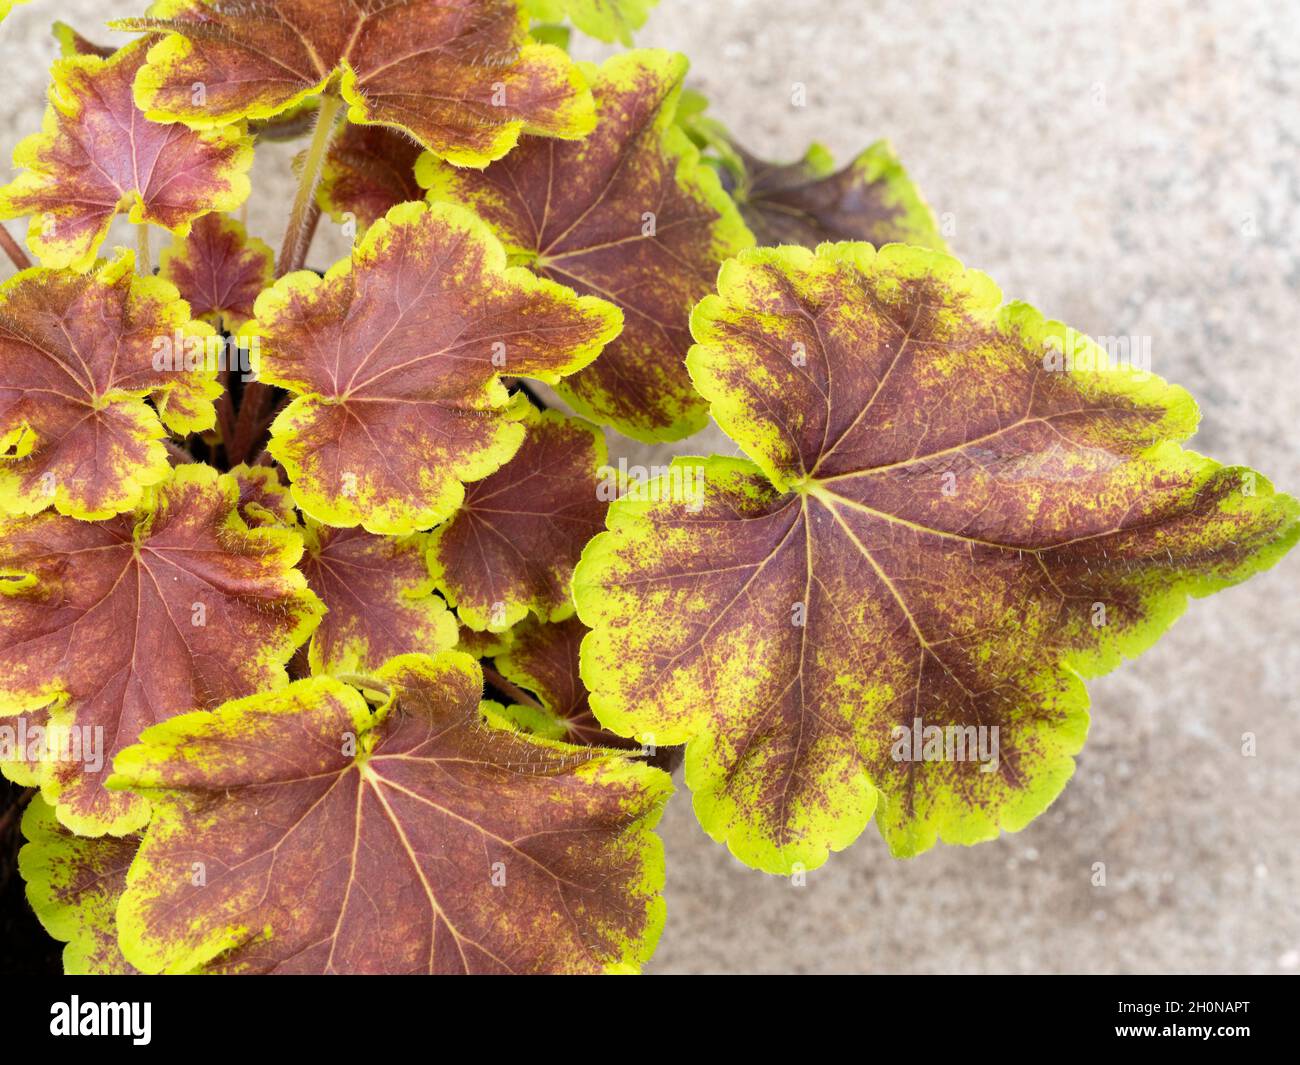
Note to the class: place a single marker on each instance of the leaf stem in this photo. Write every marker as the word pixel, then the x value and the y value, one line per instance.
pixel 363 682
pixel 248 420
pixel 176 453
pixel 510 689
pixel 14 250
pixel 143 260
pixel 309 234
pixel 298 233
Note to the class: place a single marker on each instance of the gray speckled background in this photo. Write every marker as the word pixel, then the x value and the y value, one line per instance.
pixel 1131 168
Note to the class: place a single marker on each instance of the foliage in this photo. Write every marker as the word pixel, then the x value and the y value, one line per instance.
pixel 326 647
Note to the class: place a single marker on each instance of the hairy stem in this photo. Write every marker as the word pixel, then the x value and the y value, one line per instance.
pixel 365 684
pixel 177 454
pixel 14 250
pixel 143 260
pixel 509 689
pixel 298 233
pixel 304 245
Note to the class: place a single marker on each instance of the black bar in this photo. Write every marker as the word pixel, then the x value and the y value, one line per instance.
pixel 1029 1015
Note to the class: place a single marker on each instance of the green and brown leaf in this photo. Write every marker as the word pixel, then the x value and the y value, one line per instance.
pixel 368 170
pixel 396 357
pixel 97 155
pixel 77 363
pixel 263 498
pixel 219 270
pixel 378 597
pixel 544 659
pixel 74 884
pixel 810 202
pixel 109 627
pixel 628 214
pixel 413 839
pixel 938 526
pixel 460 76
pixel 512 546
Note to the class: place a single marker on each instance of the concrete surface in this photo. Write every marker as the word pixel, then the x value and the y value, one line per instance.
pixel 1131 168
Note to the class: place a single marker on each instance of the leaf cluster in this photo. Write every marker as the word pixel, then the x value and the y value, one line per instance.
pixel 330 639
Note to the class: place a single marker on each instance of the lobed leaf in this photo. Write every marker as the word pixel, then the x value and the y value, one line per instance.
pixel 412 839
pixel 96 155
pixel 219 270
pixel 378 596
pixel 940 528
pixel 77 362
pixel 460 76
pixel 368 170
pixel 512 546
pixel 396 356
pixel 810 202
pixel 74 884
pixel 544 659
pixel 109 627
pixel 639 222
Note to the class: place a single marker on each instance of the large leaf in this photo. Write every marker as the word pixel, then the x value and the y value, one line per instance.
pixel 629 214
pixel 938 526
pixel 116 625
pixel 368 170
pixel 412 839
pixel 378 596
pixel 74 884
pixel 606 20
pixel 512 546
pixel 77 362
pixel 461 76
pixel 96 155
pixel 219 270
pixel 543 659
pixel 396 356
